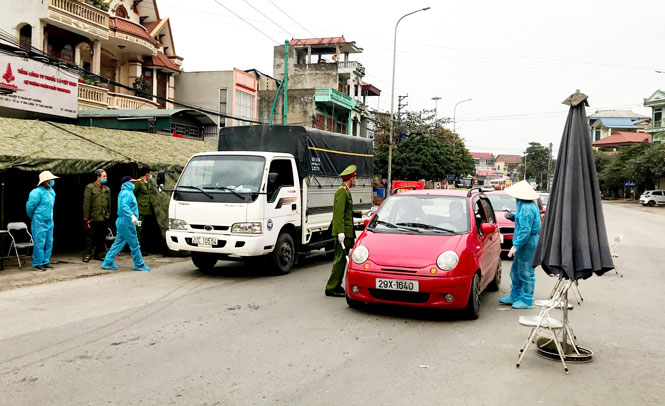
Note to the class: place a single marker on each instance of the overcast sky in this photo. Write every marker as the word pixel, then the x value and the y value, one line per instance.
pixel 517 60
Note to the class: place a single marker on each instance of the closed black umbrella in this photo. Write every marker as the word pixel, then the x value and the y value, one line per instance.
pixel 573 240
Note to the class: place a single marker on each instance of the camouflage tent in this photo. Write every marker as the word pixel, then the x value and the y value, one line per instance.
pixel 33 146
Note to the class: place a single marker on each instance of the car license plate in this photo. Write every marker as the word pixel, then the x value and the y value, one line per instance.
pixel 397 284
pixel 204 240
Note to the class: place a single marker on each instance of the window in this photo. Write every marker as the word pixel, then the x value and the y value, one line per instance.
pixel 121 12
pixel 597 135
pixel 147 76
pixel 422 213
pixel 244 107
pixel 489 211
pixel 222 105
pixel 25 36
pixel 657 115
pixel 284 171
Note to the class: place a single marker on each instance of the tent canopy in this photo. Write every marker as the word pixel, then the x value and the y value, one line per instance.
pixel 32 145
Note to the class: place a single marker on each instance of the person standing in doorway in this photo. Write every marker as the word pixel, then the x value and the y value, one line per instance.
pixel 525 239
pixel 126 228
pixel 96 214
pixel 342 230
pixel 40 210
pixel 142 191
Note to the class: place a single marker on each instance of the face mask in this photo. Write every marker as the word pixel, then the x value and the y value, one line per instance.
pixel 102 181
pixel 51 183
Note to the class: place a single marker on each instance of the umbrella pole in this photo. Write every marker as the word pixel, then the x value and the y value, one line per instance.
pixel 565 322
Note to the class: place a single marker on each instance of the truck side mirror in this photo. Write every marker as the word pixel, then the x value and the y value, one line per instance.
pixel 272 181
pixel 161 177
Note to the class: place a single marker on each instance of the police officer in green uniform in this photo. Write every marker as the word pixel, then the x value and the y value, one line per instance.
pixel 142 193
pixel 96 214
pixel 342 230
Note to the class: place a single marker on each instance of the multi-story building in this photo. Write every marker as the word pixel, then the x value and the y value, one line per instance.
pixel 604 123
pixel 324 86
pixel 484 166
pixel 124 41
pixel 657 127
pixel 506 164
pixel 232 93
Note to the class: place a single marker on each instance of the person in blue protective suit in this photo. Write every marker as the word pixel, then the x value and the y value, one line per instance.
pixel 525 238
pixel 126 223
pixel 40 210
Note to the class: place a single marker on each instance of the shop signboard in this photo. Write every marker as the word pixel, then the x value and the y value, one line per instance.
pixel 35 86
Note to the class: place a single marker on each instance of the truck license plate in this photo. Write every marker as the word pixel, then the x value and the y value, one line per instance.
pixel 204 240
pixel 397 284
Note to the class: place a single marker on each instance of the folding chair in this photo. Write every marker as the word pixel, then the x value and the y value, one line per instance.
pixel 576 291
pixel 110 238
pixel 613 246
pixel 545 321
pixel 15 230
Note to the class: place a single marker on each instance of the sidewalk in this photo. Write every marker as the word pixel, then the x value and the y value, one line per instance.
pixel 69 266
pixel 636 205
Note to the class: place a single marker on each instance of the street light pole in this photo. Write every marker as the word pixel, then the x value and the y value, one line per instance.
pixel 455 111
pixel 436 100
pixel 392 102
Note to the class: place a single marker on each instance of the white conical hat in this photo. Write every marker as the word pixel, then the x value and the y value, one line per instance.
pixel 46 176
pixel 522 190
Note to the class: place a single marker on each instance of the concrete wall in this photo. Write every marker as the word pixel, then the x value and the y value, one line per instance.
pixel 202 89
pixel 15 14
pixel 300 106
pixel 313 76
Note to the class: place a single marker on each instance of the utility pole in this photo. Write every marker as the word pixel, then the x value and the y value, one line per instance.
pixel 400 106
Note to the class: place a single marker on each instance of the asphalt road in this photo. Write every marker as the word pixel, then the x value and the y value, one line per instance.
pixel 236 336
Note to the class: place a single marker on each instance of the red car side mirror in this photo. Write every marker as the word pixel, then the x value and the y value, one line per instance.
pixel 487 228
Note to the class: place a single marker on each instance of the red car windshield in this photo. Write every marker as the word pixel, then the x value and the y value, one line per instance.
pixel 422 214
pixel 501 202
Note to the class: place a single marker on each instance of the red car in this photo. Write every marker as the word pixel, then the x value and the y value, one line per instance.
pixel 427 248
pixel 501 202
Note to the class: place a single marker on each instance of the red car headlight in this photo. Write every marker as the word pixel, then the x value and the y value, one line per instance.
pixel 447 261
pixel 360 254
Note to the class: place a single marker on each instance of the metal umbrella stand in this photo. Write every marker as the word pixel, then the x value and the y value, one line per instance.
pixel 573 241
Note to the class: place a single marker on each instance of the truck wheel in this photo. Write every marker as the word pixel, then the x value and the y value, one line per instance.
pixel 204 261
pixel 284 255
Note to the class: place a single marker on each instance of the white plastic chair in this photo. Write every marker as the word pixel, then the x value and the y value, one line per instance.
pixel 613 246
pixel 545 321
pixel 15 230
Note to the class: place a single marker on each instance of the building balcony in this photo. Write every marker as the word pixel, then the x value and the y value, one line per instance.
pixel 349 67
pixel 332 96
pixel 656 126
pixel 79 17
pixel 127 102
pixel 93 97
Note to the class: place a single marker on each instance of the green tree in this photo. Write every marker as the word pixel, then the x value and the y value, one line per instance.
pixel 642 163
pixel 423 148
pixel 537 162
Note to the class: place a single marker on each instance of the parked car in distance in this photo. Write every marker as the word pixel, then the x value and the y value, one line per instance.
pixel 427 248
pixel 544 198
pixel 653 197
pixel 501 203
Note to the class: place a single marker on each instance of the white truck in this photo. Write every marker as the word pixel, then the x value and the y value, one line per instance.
pixel 268 192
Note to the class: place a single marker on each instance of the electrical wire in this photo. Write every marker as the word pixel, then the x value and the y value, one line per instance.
pixel 270 19
pixel 248 23
pixel 284 12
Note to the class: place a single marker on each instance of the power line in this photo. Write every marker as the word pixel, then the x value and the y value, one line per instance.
pixel 286 14
pixel 271 20
pixel 248 23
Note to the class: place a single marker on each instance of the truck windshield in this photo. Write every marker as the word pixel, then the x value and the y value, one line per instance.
pixel 224 177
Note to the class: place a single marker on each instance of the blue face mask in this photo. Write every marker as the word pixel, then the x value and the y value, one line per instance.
pixel 51 183
pixel 102 181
